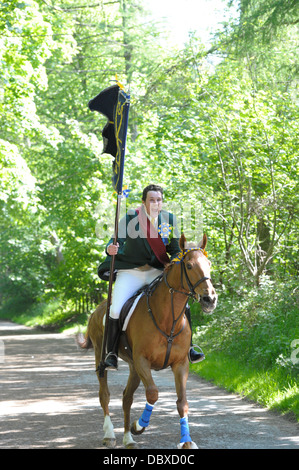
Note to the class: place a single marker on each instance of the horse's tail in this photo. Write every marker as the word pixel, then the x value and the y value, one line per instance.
pixel 93 331
pixel 83 341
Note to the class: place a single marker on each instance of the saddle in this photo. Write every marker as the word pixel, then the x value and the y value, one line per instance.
pixel 127 307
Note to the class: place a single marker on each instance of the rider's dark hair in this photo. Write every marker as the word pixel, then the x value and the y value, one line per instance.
pixel 151 187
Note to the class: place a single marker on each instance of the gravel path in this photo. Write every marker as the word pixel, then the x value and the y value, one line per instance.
pixel 49 399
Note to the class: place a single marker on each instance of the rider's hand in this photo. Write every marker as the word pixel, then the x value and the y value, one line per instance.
pixel 112 249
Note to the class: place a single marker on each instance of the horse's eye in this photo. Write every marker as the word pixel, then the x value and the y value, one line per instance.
pixel 189 266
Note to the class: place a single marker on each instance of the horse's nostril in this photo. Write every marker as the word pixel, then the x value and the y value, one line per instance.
pixel 207 298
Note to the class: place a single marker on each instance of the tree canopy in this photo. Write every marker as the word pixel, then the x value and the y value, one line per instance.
pixel 216 126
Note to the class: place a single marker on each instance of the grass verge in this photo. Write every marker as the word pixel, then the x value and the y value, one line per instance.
pixel 270 388
pixel 51 316
pixel 251 344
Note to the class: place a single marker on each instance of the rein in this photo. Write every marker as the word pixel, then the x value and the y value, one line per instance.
pixel 191 294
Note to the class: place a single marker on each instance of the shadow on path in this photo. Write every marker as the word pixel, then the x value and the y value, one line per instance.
pixel 49 399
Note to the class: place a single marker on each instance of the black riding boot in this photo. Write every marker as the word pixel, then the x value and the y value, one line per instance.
pixel 112 344
pixel 193 356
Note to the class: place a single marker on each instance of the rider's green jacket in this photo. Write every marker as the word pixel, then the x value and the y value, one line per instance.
pixel 134 249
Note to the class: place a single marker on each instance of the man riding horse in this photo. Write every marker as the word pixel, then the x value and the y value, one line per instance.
pixel 146 235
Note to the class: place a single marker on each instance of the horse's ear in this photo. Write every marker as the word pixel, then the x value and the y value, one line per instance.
pixel 204 242
pixel 182 242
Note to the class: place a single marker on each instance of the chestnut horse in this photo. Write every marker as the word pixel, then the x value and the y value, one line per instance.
pixel 158 335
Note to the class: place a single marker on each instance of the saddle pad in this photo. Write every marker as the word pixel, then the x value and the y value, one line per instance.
pixel 129 314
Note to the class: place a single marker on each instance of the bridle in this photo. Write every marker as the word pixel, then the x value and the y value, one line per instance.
pixel 191 286
pixel 189 294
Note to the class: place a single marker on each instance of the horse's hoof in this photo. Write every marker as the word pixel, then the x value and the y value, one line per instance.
pixel 187 445
pixel 109 442
pixel 129 442
pixel 132 445
pixel 134 430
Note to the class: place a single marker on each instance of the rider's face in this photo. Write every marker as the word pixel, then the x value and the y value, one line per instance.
pixel 153 203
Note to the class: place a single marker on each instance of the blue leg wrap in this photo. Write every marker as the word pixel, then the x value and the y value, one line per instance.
pixel 185 436
pixel 146 415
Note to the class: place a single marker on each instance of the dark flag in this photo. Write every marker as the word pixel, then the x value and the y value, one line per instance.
pixel 114 103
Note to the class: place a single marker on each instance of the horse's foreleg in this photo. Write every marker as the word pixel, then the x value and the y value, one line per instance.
pixel 151 393
pixel 139 426
pixel 181 372
pixel 132 385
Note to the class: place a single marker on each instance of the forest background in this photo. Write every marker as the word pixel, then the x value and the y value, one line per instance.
pixel 215 125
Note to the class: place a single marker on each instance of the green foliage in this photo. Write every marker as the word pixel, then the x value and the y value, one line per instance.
pixel 54 315
pixel 218 129
pixel 250 343
pixel 258 325
pixel 263 20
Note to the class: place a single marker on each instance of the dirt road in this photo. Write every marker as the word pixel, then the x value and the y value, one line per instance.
pixel 49 399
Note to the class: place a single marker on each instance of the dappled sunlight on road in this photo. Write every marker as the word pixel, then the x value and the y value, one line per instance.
pixel 49 399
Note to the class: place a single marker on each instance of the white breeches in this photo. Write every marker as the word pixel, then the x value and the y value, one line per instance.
pixel 128 281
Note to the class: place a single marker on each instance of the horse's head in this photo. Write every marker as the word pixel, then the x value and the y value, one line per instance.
pixel 196 273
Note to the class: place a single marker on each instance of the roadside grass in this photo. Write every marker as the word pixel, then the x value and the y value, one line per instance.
pixel 272 388
pixel 52 316
pixel 251 344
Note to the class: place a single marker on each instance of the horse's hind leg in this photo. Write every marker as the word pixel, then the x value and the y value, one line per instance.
pixel 95 333
pixel 109 439
pixel 132 385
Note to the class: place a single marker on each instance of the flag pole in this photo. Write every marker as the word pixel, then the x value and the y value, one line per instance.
pixel 111 275
pixel 113 103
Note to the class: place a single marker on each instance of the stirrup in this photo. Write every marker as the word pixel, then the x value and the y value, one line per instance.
pixel 111 361
pixel 199 355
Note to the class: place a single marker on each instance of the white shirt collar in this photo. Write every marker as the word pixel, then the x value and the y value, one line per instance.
pixel 153 220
